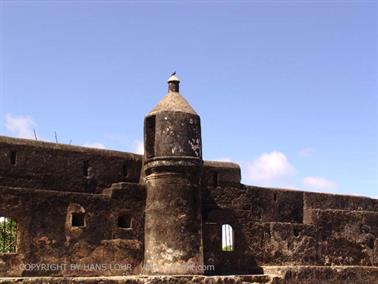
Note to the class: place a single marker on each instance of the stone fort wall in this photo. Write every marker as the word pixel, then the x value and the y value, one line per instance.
pixel 34 164
pixel 43 186
pixel 283 227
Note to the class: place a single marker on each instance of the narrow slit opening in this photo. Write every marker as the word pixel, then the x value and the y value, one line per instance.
pixel 13 157
pixel 85 168
pixel 125 170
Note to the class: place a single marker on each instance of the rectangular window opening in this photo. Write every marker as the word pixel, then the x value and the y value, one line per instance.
pixel 124 221
pixel 78 219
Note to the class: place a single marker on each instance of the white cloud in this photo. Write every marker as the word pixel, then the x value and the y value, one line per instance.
pixel 94 145
pixel 21 126
pixel 357 194
pixel 118 138
pixel 139 147
pixel 319 184
pixel 224 159
pixel 306 152
pixel 270 169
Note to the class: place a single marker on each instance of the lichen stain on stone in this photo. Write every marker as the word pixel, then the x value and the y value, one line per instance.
pixel 195 146
pixel 170 254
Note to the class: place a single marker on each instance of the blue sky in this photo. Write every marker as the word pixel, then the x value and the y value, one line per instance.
pixel 287 89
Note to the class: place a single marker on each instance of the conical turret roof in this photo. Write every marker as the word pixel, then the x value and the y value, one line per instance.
pixel 173 101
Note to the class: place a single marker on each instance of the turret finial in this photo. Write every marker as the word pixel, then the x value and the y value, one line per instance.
pixel 173 83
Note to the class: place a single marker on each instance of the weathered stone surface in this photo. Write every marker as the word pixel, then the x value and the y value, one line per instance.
pixel 45 237
pixel 52 166
pixel 220 173
pixel 270 227
pixel 145 280
pixel 275 275
pixel 322 274
pixel 335 201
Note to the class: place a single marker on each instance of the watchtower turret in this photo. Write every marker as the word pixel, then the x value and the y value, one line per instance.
pixel 172 129
pixel 173 164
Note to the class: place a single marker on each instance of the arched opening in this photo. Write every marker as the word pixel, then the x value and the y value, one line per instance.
pixel 8 235
pixel 227 238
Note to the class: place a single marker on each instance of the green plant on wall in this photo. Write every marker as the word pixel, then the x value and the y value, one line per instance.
pixel 8 235
pixel 228 248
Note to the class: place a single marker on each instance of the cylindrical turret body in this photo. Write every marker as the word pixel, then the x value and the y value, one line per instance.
pixel 173 164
